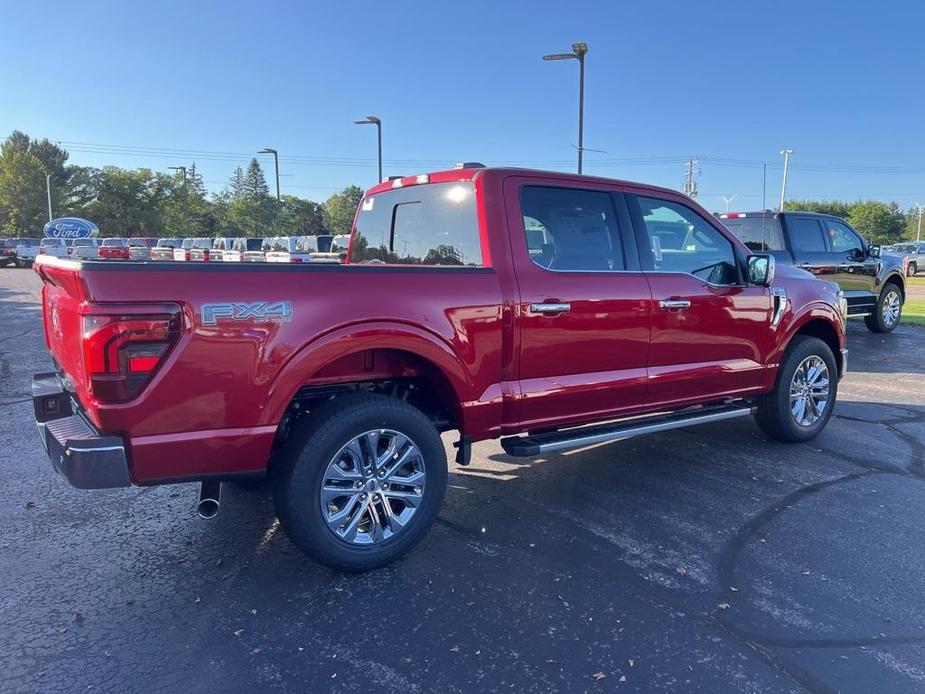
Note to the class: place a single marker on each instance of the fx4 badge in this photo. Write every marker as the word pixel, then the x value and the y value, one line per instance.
pixel 257 311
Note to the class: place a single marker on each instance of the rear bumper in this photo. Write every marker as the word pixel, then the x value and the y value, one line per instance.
pixel 88 459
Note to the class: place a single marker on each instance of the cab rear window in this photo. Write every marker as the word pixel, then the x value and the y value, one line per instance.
pixel 759 233
pixel 430 224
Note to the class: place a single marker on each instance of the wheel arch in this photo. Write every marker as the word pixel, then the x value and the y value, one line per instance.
pixel 371 352
pixel 897 279
pixel 821 321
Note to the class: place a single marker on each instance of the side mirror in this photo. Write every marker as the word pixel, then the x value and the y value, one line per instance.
pixel 760 269
pixel 874 250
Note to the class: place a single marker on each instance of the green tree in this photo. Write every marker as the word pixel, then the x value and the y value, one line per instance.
pixel 255 183
pixel 24 162
pixel 22 188
pixel 250 210
pixel 300 217
pixel 128 203
pixel 235 187
pixel 878 222
pixel 340 208
pixel 833 207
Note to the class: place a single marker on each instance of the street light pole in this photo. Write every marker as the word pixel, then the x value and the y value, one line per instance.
pixel 182 169
pixel 270 150
pixel 375 120
pixel 579 51
pixel 48 190
pixel 783 185
pixel 728 201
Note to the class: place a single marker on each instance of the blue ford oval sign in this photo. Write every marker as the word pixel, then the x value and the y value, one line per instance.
pixel 70 228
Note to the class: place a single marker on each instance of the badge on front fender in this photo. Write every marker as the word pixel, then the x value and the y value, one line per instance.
pixel 254 311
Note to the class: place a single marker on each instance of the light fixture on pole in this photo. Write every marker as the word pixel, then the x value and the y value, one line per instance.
pixel 579 51
pixel 783 185
pixel 270 150
pixel 375 120
pixel 729 200
pixel 182 169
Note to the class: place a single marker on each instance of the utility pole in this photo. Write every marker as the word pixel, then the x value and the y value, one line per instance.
pixel 918 233
pixel 728 201
pixel 690 183
pixel 783 185
pixel 48 190
pixel 182 169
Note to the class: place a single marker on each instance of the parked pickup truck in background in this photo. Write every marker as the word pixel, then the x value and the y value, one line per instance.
pixel 548 310
pixel 913 253
pixel 829 248
pixel 26 252
pixel 8 251
pixel 55 247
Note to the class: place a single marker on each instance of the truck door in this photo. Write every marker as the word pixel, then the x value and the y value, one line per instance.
pixel 854 271
pixel 810 250
pixel 583 311
pixel 709 330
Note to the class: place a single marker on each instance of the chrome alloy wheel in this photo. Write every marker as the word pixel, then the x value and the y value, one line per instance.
pixel 372 487
pixel 891 308
pixel 809 391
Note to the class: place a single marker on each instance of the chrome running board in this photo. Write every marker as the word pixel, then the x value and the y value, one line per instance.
pixel 535 444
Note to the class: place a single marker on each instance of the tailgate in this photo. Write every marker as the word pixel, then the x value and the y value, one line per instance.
pixel 63 293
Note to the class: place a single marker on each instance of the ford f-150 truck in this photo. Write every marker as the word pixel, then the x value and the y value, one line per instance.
pixel 873 283
pixel 548 310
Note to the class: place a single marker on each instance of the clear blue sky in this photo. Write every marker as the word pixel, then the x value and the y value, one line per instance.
pixel 841 83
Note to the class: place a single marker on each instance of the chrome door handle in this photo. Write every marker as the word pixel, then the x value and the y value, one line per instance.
pixel 674 303
pixel 550 309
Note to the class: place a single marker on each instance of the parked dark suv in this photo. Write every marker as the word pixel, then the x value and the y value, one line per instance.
pixel 830 249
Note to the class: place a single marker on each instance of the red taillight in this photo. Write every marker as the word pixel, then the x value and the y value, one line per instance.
pixel 294 260
pixel 733 215
pixel 122 352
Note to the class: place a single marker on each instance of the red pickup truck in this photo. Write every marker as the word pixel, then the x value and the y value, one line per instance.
pixel 545 309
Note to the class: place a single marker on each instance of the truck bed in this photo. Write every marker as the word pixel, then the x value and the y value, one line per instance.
pixel 216 400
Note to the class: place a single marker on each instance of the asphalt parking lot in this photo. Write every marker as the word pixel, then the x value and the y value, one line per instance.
pixel 709 559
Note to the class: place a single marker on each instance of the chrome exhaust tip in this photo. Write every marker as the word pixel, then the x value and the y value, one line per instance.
pixel 210 497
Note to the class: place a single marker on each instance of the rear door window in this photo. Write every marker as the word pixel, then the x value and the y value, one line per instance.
pixel 429 224
pixel 806 235
pixel 570 229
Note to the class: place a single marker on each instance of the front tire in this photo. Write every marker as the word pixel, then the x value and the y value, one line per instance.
pixel 804 394
pixel 888 310
pixel 360 481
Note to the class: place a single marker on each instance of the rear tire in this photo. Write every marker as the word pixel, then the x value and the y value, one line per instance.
pixel 356 444
pixel 888 310
pixel 776 415
pixel 913 269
